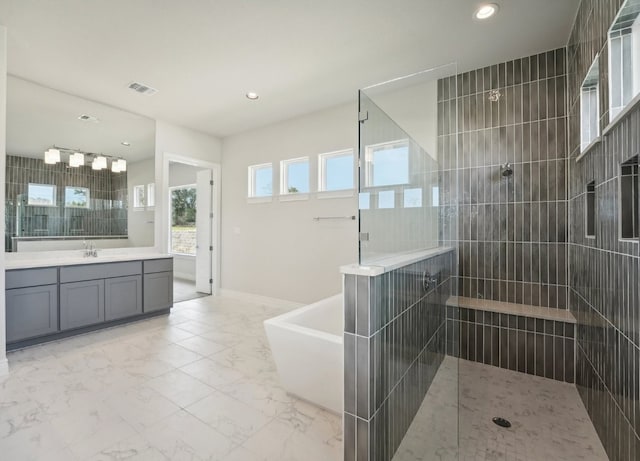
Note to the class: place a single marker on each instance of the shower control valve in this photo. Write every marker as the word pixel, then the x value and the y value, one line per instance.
pixel 429 281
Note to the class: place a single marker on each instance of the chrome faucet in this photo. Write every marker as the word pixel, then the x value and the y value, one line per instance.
pixel 90 249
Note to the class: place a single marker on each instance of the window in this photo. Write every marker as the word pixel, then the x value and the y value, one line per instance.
pixel 387 164
pixel 590 107
pixel 41 194
pixel 76 197
pixel 386 199
pixel 413 198
pixel 335 171
pixel 138 196
pixel 629 210
pixel 151 195
pixel 294 177
pixel 364 200
pixel 624 58
pixel 261 180
pixel 591 209
pixel 183 220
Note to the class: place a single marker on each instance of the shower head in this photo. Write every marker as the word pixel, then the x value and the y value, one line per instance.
pixel 506 170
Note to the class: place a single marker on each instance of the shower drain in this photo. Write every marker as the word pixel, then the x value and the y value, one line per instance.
pixel 501 422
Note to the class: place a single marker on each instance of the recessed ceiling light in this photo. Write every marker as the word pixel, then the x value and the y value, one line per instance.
pixel 251 95
pixel 486 11
pixel 126 143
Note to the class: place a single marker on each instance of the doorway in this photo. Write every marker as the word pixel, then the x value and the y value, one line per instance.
pixel 190 229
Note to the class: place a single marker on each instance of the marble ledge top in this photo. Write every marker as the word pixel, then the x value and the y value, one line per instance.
pixel 547 313
pixel 390 263
pixel 75 257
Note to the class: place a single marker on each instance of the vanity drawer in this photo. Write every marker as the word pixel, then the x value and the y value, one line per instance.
pixel 22 278
pixel 99 271
pixel 158 265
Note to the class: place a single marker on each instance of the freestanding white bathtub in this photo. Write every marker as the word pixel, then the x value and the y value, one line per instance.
pixel 307 347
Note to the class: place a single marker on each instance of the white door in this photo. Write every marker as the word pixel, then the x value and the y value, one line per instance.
pixel 204 221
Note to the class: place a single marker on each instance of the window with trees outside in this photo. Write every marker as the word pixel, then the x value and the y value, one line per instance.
pixel 183 220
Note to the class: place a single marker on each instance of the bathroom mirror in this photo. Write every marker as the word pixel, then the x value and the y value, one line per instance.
pixel 64 201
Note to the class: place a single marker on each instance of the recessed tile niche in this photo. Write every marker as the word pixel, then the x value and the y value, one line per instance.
pixel 591 209
pixel 629 211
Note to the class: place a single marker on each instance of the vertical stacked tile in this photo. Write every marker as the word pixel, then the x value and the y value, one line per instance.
pixel 536 346
pixel 394 343
pixel 108 197
pixel 604 271
pixel 511 232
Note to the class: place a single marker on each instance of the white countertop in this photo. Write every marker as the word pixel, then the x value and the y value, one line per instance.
pixel 27 260
pixel 393 262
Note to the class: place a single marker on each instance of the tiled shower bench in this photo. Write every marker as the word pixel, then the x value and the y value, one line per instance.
pixel 529 339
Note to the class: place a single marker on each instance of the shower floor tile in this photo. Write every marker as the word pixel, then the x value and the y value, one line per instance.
pixel 549 421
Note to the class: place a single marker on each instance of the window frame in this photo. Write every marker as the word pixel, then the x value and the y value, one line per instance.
pixel 322 173
pixel 285 195
pixel 369 163
pixel 52 187
pixel 588 86
pixel 617 33
pixel 135 203
pixel 151 195
pixel 251 183
pixel 88 198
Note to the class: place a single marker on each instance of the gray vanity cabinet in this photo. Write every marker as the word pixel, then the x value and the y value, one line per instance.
pixel 158 284
pixel 95 293
pixel 31 299
pixel 81 304
pixel 53 302
pixel 31 312
pixel 122 297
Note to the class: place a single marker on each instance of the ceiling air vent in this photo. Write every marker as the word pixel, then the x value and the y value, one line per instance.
pixel 142 88
pixel 87 118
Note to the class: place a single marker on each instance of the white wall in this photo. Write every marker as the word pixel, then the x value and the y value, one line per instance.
pixel 415 110
pixel 172 139
pixel 181 174
pixel 3 141
pixel 140 222
pixel 276 249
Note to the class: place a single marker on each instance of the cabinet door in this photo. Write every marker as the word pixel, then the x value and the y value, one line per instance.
pixel 31 312
pixel 158 291
pixel 122 297
pixel 81 304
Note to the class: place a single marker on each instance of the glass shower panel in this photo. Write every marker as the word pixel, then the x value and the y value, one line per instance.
pixel 408 225
pixel 398 179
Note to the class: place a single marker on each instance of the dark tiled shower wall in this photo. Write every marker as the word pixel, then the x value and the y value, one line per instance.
pixel 394 343
pixel 529 345
pixel 108 195
pixel 604 270
pixel 511 232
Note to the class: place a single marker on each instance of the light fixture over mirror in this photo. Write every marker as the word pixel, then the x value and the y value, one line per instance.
pixel 76 159
pixel 52 156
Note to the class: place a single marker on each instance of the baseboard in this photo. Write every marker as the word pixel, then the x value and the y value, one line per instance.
pixel 4 367
pixel 266 300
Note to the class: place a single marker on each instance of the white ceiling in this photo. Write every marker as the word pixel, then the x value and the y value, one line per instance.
pixel 299 55
pixel 40 117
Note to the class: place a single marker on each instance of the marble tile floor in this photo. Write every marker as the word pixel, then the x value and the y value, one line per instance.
pixel 199 384
pixel 185 290
pixel 549 421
